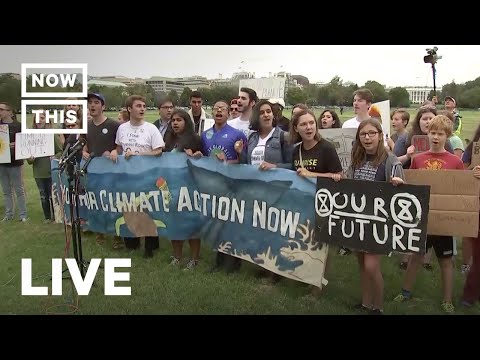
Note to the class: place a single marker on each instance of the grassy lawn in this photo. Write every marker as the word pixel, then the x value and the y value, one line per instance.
pixel 159 289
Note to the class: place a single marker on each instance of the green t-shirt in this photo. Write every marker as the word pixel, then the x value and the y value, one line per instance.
pixel 457 143
pixel 42 165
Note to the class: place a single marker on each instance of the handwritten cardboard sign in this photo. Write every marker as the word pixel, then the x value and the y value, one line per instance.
pixel 475 155
pixel 421 143
pixel 454 202
pixel 36 145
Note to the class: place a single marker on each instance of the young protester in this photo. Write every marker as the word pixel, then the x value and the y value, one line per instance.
pixel 165 109
pixel 437 158
pixel 247 99
pixel 101 135
pixel 42 172
pixel 329 120
pixel 362 100
pixel 181 137
pixel 372 162
pixel 11 174
pixel 267 146
pixel 222 142
pixel 467 243
pixel 400 119
pixel 138 138
pixel 471 290
pixel 313 156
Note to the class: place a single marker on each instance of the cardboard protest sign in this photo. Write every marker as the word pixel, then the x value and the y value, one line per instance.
pixel 34 145
pixel 454 203
pixel 5 157
pixel 421 143
pixel 342 140
pixel 266 88
pixel 370 216
pixel 475 155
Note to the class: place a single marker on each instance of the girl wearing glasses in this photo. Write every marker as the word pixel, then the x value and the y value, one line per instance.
pixel 372 162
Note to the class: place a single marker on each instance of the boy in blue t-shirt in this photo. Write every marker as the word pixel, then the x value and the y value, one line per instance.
pixel 221 139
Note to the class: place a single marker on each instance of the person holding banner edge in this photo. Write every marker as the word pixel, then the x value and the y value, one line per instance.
pixel 372 162
pixel 221 142
pixel 141 138
pixel 314 156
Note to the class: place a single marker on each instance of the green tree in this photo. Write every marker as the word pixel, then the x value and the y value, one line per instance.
pixel 451 89
pixel 11 91
pixel 174 96
pixel 296 95
pixel 185 97
pixel 323 95
pixel 399 97
pixel 377 89
pixel 335 91
pixel 470 98
pixel 347 94
pixel 207 96
pixel 225 93
pixel 143 90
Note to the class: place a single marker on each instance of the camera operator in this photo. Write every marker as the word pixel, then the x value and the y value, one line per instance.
pixel 451 106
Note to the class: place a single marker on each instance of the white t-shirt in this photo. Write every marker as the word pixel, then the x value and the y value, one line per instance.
pixel 139 139
pixel 351 124
pixel 241 125
pixel 354 123
pixel 258 153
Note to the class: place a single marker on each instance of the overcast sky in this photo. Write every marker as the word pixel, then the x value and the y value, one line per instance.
pixel 391 65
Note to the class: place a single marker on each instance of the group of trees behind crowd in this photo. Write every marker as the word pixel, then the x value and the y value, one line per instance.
pixel 335 93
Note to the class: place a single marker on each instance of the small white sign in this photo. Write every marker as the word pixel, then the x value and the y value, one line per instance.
pixel 268 88
pixel 36 145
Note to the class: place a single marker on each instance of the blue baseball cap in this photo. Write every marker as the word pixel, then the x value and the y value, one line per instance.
pixel 98 96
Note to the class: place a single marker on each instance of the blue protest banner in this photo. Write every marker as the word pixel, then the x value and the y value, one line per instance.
pixel 265 217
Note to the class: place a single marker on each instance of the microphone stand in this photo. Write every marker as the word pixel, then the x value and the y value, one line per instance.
pixel 71 166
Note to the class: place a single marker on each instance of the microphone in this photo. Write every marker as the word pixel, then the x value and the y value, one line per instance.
pixel 84 168
pixel 78 146
pixel 65 152
pixel 81 142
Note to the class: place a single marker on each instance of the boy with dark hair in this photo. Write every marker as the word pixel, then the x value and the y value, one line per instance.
pixel 198 115
pixel 247 99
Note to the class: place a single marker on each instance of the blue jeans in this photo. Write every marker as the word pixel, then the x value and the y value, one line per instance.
pixel 45 188
pixel 11 178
